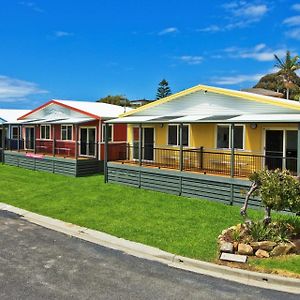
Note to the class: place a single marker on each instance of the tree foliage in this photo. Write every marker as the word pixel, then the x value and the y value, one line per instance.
pixel 116 100
pixel 278 189
pixel 163 89
pixel 285 80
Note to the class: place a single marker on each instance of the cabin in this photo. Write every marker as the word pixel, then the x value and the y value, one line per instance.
pixel 8 116
pixel 205 142
pixel 65 137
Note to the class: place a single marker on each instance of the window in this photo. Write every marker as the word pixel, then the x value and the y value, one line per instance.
pixel 15 133
pixel 110 133
pixel 224 134
pixel 66 132
pixel 45 132
pixel 174 135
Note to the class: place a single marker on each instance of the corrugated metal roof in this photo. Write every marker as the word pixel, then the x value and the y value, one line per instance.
pixel 100 109
pixel 203 99
pixel 254 118
pixel 11 115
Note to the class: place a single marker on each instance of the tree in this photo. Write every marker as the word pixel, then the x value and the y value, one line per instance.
pixel 277 190
pixel 163 89
pixel 116 100
pixel 287 69
pixel 274 82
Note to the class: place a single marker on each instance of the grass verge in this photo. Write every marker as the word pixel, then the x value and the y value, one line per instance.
pixel 180 225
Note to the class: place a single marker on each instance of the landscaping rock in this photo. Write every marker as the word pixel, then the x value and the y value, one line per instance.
pixel 264 245
pixel 226 247
pixel 283 249
pixel 297 246
pixel 262 253
pixel 245 249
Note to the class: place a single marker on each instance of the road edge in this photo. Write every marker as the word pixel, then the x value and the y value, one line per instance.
pixel 262 280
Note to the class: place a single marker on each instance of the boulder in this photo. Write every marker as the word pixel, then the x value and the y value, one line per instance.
pixel 262 253
pixel 283 249
pixel 264 245
pixel 226 247
pixel 245 249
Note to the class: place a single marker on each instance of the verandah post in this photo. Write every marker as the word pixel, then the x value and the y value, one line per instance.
pixel 106 152
pixel 53 140
pixel 140 144
pixel 298 151
pixel 232 156
pixel 3 142
pixel 180 147
pixel 9 137
pixel 140 153
pixel 76 141
pixel 232 162
pixel 19 137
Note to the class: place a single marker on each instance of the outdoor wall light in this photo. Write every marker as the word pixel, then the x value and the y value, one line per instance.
pixel 253 125
pixel 161 125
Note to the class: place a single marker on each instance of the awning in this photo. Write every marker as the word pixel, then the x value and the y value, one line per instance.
pixel 54 121
pixel 257 118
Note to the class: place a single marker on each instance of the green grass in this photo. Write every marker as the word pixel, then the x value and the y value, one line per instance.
pixel 180 225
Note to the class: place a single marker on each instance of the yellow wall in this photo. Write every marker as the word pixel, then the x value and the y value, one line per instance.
pixel 205 135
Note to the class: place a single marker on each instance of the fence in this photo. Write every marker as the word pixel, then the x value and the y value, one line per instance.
pixel 201 160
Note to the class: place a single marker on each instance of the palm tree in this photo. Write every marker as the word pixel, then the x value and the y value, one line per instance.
pixel 287 69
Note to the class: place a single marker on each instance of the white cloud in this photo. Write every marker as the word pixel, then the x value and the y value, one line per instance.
pixel 240 14
pixel 211 28
pixel 292 21
pixel 31 5
pixel 250 10
pixel 11 88
pixel 294 33
pixel 259 52
pixel 168 30
pixel 191 60
pixel 296 7
pixel 63 33
pixel 236 79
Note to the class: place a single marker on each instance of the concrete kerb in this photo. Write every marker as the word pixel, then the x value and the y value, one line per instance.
pixel 268 281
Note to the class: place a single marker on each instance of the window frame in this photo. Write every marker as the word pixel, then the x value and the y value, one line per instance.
pixel 177 135
pixel 228 125
pixel 12 133
pixel 61 132
pixel 50 133
pixel 102 133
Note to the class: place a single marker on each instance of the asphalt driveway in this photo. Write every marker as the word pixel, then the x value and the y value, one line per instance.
pixel 37 263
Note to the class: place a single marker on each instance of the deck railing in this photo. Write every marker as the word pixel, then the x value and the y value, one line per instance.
pixel 204 161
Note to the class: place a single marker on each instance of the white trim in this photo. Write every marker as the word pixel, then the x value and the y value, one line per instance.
pixel 25 140
pixel 87 127
pixel 102 132
pixel 67 132
pixel 177 133
pixel 228 125
pixel 12 131
pixel 50 133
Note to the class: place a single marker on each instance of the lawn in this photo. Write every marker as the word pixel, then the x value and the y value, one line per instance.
pixel 180 225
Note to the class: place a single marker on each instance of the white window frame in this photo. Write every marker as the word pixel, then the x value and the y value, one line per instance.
pixel 12 131
pixel 88 127
pixel 102 133
pixel 50 133
pixel 228 125
pixel 178 142
pixel 61 131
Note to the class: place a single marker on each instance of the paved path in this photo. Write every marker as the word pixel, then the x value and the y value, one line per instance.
pixel 37 263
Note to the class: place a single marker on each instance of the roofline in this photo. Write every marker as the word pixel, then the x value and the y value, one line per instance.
pixel 61 104
pixel 238 94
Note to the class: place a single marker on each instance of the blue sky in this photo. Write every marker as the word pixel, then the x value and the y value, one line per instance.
pixel 84 50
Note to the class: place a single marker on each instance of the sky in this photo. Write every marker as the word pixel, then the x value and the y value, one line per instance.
pixel 85 50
